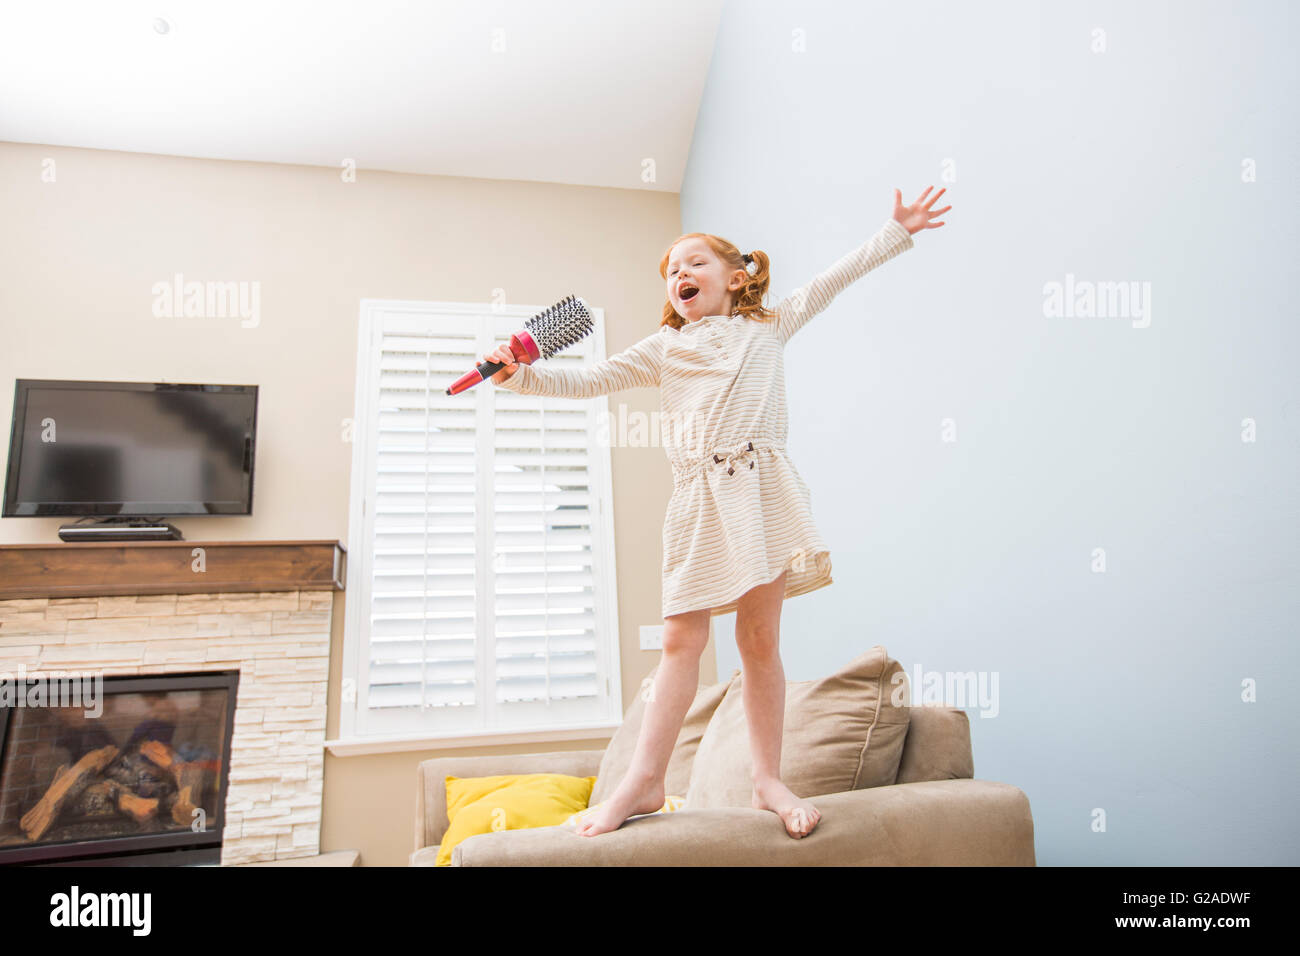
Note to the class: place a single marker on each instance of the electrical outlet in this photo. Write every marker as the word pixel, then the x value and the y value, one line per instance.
pixel 652 637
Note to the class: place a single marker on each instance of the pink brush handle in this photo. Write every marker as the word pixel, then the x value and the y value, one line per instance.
pixel 522 347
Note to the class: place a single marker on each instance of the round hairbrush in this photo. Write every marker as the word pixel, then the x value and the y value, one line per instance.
pixel 550 331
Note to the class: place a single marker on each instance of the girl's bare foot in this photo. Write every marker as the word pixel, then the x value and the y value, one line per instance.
pixel 632 796
pixel 798 815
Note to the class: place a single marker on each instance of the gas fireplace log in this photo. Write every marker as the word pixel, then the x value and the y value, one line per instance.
pixel 141 775
pixel 98 800
pixel 138 808
pixel 36 821
pixel 159 753
pixel 192 779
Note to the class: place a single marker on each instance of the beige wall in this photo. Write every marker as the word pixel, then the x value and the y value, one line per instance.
pixel 80 258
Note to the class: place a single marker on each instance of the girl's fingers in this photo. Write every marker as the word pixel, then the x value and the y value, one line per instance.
pixel 502 356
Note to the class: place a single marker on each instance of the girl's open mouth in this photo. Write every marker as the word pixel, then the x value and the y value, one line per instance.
pixel 689 293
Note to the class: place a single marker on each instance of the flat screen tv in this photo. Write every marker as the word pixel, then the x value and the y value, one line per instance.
pixel 130 448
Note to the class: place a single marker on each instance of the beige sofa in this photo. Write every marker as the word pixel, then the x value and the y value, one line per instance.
pixel 933 813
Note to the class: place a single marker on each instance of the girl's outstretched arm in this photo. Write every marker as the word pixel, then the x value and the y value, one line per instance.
pixel 895 236
pixel 637 365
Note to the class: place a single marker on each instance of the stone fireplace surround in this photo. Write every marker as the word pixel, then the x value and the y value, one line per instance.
pixel 278 639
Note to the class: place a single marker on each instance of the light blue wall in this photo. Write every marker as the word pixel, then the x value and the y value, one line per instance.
pixel 1119 690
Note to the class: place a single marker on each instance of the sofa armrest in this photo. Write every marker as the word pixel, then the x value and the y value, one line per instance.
pixel 431 788
pixel 960 822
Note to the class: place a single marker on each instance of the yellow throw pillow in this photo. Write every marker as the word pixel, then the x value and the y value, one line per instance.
pixel 509 802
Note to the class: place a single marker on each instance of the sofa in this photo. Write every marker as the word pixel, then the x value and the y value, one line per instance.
pixel 894 783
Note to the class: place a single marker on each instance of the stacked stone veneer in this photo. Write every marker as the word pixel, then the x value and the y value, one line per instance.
pixel 279 642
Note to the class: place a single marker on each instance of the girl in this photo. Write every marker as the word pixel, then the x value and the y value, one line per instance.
pixel 738 532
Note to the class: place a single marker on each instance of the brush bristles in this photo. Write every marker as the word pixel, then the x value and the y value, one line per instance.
pixel 558 327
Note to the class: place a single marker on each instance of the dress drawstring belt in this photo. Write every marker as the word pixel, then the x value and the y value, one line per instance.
pixel 735 458
pixel 722 460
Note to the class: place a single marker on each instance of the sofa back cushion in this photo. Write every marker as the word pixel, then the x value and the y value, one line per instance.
pixel 622 746
pixel 842 732
pixel 937 746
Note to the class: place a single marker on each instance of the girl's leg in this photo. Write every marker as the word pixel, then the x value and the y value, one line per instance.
pixel 758 629
pixel 642 787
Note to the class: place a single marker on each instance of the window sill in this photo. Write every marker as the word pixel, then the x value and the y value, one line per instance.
pixel 360 746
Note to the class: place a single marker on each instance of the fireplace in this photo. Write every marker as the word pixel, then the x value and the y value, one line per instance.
pixel 115 770
pixel 157 609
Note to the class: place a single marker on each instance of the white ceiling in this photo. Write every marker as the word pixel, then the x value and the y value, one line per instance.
pixel 565 91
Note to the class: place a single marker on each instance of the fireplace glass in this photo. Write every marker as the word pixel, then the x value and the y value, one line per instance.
pixel 133 772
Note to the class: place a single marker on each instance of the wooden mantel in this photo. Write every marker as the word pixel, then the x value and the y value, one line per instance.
pixel 102 568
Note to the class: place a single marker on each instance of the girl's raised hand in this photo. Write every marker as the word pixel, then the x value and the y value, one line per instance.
pixel 917 216
pixel 501 354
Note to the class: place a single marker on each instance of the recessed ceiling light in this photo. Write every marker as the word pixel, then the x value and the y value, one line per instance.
pixel 161 26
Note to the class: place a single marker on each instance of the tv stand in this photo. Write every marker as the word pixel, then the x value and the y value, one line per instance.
pixel 118 528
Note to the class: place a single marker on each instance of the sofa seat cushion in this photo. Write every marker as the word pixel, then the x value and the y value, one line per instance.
pixel 622 746
pixel 842 732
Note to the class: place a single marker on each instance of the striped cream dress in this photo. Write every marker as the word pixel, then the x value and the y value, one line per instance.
pixel 740 513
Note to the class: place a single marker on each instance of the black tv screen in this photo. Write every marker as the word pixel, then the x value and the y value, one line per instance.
pixel 130 448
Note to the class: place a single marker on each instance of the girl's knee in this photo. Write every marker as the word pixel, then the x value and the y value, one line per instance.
pixel 758 638
pixel 683 645
pixel 686 634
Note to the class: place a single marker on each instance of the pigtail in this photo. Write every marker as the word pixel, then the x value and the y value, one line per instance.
pixel 749 299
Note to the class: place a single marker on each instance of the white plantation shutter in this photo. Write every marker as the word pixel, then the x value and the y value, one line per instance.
pixel 544 585
pixel 486 575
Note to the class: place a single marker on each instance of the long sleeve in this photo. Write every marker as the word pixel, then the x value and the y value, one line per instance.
pixel 637 365
pixel 796 309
